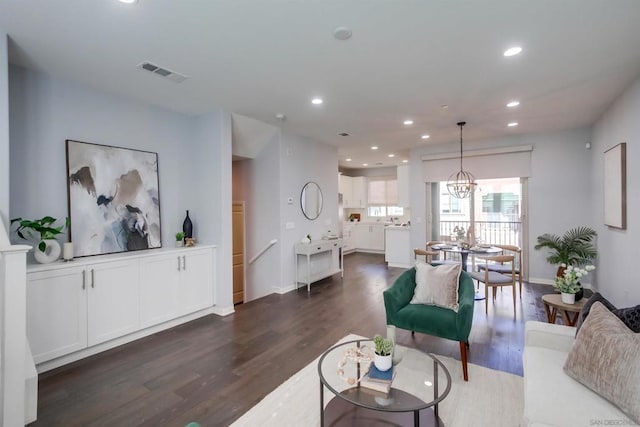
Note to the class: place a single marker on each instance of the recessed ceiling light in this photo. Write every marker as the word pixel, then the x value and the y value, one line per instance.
pixel 317 101
pixel 405 161
pixel 374 147
pixel 365 164
pixel 348 159
pixel 513 104
pixel 342 33
pixel 343 134
pixel 128 1
pixel 512 124
pixel 391 155
pixel 444 106
pixel 513 51
pixel 407 122
pixel 425 136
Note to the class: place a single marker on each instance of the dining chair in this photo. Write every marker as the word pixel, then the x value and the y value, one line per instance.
pixel 428 255
pixel 506 269
pixel 494 279
pixel 437 260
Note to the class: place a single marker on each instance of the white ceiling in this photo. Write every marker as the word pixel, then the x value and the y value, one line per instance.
pixel 406 58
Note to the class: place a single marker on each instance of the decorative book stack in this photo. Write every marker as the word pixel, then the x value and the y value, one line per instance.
pixel 378 380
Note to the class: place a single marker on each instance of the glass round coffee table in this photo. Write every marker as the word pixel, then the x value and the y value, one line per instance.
pixel 420 383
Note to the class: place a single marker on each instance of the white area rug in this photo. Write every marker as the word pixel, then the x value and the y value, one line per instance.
pixel 489 398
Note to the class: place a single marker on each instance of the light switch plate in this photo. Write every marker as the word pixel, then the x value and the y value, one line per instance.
pixel 290 225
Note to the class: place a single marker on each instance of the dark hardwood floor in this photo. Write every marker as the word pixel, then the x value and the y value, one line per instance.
pixel 214 369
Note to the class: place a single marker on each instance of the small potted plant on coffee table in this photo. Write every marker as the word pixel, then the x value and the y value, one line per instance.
pixel 384 348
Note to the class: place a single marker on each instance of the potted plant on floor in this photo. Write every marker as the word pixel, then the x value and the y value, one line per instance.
pixel 384 348
pixel 44 231
pixel 568 285
pixel 575 247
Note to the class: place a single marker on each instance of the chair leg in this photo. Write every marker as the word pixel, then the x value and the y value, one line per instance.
pixel 463 357
pixel 486 299
pixel 413 333
pixel 514 300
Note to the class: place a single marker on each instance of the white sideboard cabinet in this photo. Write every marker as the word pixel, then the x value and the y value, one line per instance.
pixel 317 260
pixel 100 301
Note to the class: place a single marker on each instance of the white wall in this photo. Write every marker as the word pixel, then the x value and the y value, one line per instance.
pixel 260 190
pixel 194 155
pixel 617 275
pixel 559 187
pixel 304 160
pixel 4 131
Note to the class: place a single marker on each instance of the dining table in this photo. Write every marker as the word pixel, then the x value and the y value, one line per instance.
pixel 486 250
pixel 464 252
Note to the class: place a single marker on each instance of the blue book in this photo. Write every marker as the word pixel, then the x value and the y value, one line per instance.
pixel 377 374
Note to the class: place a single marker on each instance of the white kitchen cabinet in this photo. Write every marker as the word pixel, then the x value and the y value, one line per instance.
pixel 159 277
pixel 359 192
pixel 113 300
pixel 345 187
pixel 196 282
pixel 404 197
pixel 72 308
pixel 107 300
pixel 56 312
pixel 348 237
pixel 369 237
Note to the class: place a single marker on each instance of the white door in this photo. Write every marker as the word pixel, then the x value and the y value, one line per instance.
pixel 159 285
pixel 56 313
pixel 196 281
pixel 113 303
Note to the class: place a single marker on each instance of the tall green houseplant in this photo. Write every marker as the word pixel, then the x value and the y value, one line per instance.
pixel 575 247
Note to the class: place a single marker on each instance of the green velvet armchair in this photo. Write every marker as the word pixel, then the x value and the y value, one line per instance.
pixel 430 319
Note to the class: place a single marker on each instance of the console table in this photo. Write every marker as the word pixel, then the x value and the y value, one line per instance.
pixel 317 260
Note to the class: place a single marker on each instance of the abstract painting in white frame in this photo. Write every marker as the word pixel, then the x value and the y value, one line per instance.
pixel 113 199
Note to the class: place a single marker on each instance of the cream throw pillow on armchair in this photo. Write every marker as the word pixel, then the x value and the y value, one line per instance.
pixel 437 285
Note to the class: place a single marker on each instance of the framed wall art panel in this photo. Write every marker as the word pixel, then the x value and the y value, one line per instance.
pixel 615 186
pixel 113 198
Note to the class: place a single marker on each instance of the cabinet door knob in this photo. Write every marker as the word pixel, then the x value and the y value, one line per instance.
pixel 178 262
pixel 93 279
pixel 84 279
pixel 184 262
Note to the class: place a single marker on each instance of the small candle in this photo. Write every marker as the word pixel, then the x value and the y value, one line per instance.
pixel 67 252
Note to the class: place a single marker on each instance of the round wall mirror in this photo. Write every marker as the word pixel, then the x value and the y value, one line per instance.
pixel 311 200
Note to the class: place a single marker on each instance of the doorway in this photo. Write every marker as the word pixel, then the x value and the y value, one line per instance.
pixel 238 252
pixel 495 214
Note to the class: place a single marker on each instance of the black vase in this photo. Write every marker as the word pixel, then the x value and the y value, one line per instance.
pixel 580 293
pixel 187 227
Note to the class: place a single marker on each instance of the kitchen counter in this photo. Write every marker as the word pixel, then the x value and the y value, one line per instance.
pixel 397 250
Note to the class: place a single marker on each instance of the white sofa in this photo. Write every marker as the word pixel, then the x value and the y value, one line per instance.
pixel 551 397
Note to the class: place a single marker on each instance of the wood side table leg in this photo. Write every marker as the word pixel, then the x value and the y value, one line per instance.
pixel 550 319
pixel 574 318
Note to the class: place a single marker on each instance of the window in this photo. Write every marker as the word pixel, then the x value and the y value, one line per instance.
pixel 449 204
pixel 382 197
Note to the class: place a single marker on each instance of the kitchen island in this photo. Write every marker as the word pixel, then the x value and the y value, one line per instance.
pixel 397 249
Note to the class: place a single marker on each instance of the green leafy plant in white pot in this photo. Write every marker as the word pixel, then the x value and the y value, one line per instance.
pixel 179 239
pixel 384 350
pixel 44 231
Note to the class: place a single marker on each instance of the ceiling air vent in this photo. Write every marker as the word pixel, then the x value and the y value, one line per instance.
pixel 163 72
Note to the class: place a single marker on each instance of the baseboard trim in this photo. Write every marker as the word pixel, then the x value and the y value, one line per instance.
pixel 284 289
pixel 541 281
pixel 223 311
